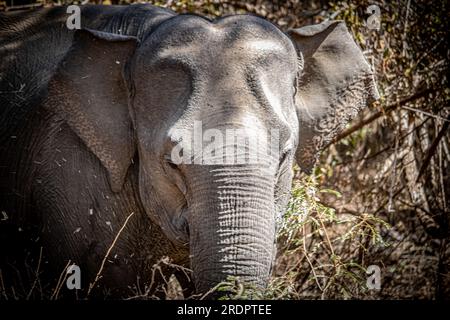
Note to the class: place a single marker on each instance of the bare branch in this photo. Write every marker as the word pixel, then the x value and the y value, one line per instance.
pixel 386 110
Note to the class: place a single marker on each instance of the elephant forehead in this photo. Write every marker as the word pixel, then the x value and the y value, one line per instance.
pixel 236 37
pixel 212 49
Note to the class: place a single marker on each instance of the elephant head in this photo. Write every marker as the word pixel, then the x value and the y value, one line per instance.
pixel 124 96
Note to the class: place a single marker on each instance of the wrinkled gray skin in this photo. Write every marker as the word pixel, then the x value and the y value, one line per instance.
pixel 88 121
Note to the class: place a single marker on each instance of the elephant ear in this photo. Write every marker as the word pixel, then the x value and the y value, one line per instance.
pixel 334 85
pixel 89 92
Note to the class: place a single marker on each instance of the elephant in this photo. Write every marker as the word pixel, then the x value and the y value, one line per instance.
pixel 91 117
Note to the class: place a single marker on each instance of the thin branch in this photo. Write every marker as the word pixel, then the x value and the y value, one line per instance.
pixel 378 114
pixel 97 277
pixel 426 113
pixel 36 275
pixel 309 261
pixel 24 7
pixel 59 284
pixel 432 150
pixel 343 163
pixel 2 286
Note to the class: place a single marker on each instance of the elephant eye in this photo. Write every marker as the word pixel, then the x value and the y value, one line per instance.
pixel 282 165
pixel 170 163
pixel 284 155
pixel 295 85
pixel 175 174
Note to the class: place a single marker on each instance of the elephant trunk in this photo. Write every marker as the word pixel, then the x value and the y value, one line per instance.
pixel 232 225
